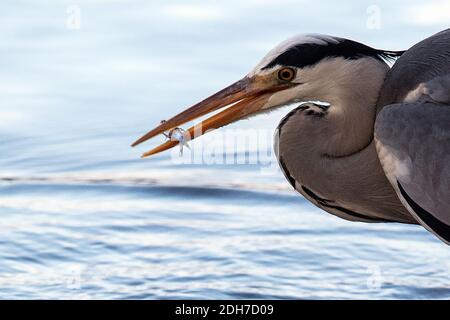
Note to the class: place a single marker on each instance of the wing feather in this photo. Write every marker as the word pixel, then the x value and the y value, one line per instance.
pixel 413 145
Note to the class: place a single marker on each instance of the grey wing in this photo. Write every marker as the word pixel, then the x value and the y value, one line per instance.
pixel 413 145
pixel 423 62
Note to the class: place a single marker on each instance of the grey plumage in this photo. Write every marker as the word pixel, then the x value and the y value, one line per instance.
pixel 377 151
pixel 403 173
pixel 413 137
pixel 413 143
pixel 438 89
pixel 427 60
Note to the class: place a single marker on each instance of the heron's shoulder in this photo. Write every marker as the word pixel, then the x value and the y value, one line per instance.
pixel 428 59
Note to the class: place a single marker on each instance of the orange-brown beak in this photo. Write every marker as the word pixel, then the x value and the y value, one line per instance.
pixel 247 96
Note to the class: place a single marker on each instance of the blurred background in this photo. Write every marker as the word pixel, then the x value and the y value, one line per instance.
pixel 83 217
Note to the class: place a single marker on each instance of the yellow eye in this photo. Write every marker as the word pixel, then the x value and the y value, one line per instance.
pixel 286 74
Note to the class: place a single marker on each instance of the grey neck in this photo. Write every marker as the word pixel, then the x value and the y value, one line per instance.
pixel 331 151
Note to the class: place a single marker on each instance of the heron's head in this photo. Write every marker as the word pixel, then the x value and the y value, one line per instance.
pixel 299 69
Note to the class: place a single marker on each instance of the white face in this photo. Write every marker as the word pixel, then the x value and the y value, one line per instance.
pixel 303 78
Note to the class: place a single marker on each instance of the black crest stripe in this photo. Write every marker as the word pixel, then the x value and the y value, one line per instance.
pixel 307 54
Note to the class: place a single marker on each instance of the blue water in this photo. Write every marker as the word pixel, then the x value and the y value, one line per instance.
pixel 83 217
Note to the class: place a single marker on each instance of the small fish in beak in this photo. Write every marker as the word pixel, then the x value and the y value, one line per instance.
pixel 238 101
pixel 178 135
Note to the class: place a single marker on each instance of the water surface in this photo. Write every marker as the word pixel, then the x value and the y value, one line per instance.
pixel 83 217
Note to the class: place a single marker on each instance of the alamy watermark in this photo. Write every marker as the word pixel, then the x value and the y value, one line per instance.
pixel 373 21
pixel 227 147
pixel 73 19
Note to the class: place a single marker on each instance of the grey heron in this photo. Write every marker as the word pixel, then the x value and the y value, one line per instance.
pixel 379 151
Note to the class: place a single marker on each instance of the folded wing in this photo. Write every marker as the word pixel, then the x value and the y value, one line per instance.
pixel 413 145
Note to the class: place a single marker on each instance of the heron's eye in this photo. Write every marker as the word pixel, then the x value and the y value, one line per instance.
pixel 286 74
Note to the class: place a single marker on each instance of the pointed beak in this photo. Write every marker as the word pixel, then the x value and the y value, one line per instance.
pixel 244 97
